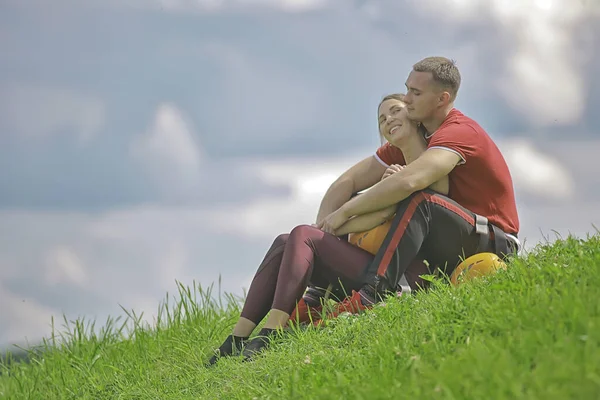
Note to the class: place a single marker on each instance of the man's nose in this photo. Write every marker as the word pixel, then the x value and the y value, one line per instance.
pixel 408 98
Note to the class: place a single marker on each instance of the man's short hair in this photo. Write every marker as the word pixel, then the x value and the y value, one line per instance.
pixel 444 71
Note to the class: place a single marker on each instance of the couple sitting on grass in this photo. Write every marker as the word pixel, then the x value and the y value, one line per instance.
pixel 439 187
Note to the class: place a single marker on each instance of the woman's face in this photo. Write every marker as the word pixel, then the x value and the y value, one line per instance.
pixel 394 124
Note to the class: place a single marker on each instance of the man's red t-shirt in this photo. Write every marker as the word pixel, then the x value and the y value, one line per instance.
pixel 481 182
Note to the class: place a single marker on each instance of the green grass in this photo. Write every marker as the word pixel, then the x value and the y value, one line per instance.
pixel 532 332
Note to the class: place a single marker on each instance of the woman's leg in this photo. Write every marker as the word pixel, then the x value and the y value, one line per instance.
pixel 258 301
pixel 308 248
pixel 284 274
pixel 262 289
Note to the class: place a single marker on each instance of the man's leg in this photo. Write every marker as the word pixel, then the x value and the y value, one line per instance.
pixel 427 223
pixel 362 299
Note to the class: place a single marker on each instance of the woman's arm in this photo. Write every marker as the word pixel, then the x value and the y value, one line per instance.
pixel 361 176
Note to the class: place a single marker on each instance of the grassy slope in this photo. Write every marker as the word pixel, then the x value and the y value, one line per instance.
pixel 532 332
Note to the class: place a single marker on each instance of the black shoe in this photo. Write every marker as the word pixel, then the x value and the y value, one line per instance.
pixel 231 346
pixel 258 343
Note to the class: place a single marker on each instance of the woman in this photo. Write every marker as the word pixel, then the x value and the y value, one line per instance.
pixel 309 255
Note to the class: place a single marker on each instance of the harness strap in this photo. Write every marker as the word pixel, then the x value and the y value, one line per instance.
pixel 484 228
pixel 500 242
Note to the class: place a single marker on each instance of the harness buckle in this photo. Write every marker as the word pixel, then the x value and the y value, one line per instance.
pixel 481 224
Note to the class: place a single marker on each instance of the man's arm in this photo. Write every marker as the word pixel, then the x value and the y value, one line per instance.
pixel 430 167
pixel 361 176
pixel 365 222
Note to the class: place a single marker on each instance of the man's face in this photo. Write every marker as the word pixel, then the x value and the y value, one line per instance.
pixel 423 96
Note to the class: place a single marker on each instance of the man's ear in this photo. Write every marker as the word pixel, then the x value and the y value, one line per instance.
pixel 444 99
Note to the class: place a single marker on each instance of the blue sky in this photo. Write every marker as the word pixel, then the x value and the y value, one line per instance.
pixel 143 142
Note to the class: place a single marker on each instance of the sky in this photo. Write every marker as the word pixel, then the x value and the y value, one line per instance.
pixel 149 142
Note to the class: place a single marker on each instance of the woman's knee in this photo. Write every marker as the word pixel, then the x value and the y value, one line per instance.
pixel 302 230
pixel 281 239
pixel 305 233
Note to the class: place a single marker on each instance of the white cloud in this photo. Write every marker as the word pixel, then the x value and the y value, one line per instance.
pixel 542 222
pixel 63 265
pixel 545 66
pixel 174 262
pixel 309 179
pixel 537 173
pixel 22 318
pixel 169 149
pixel 39 111
pixel 262 99
pixel 288 5
pixel 197 6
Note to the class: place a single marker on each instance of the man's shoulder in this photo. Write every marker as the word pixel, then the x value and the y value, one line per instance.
pixel 456 121
pixel 458 117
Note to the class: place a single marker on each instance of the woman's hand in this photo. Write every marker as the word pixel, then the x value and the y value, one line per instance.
pixel 392 169
pixel 333 221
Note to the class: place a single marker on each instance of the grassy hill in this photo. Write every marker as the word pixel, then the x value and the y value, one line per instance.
pixel 532 332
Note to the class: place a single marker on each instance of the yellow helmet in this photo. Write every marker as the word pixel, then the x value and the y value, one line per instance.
pixel 372 239
pixel 477 265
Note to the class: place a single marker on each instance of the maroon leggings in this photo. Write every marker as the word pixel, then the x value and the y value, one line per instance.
pixel 306 255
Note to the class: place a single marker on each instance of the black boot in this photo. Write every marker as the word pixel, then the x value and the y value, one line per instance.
pixel 231 346
pixel 258 343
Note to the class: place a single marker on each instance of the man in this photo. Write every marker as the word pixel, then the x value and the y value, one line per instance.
pixel 479 214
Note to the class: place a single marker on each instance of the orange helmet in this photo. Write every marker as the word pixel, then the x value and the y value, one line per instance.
pixel 477 265
pixel 372 239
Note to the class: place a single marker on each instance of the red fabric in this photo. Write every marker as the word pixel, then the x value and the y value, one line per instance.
pixel 351 304
pixel 483 184
pixel 303 313
pixel 390 154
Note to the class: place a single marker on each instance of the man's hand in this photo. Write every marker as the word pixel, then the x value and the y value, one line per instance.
pixel 392 169
pixel 333 221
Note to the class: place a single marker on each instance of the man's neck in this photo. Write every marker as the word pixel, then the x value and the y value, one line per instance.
pixel 432 124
